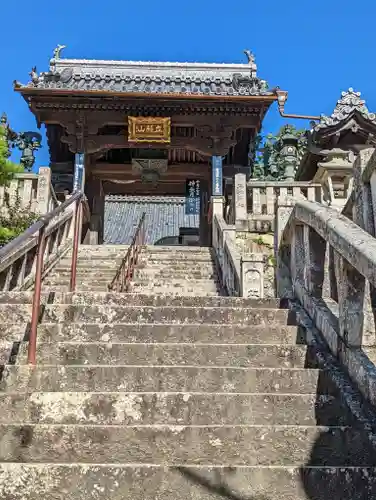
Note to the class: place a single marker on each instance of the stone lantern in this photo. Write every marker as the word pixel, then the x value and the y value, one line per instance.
pixel 289 153
pixel 335 174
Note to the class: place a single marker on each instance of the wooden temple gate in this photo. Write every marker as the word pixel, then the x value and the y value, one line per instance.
pixel 147 129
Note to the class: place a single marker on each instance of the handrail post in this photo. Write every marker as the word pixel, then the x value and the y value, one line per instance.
pixel 77 223
pixel 31 356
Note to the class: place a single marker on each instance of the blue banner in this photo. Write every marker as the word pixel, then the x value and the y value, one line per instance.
pixel 192 197
pixel 217 188
pixel 79 165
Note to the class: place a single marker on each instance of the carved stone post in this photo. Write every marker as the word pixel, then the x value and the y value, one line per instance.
pixel 351 297
pixel 44 190
pixel 240 201
pixel 252 276
pixel 317 248
pixel 282 251
pixel 298 255
pixel 363 216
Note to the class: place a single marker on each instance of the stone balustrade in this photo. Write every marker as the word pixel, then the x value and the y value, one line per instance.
pixel 253 203
pixel 242 276
pixel 33 191
pixel 326 262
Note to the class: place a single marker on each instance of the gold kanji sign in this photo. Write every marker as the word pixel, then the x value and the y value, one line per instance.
pixel 149 129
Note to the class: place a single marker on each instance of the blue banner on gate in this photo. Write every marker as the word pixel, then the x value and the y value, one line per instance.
pixel 79 162
pixel 192 197
pixel 217 189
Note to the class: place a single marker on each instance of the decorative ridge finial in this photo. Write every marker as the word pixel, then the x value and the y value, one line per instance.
pixel 58 50
pixel 349 102
pixel 250 56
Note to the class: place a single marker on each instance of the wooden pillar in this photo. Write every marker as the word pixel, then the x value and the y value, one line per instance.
pixel 205 233
pixel 93 230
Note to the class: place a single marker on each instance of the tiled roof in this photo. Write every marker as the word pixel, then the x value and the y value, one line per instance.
pixel 164 216
pixel 347 106
pixel 151 77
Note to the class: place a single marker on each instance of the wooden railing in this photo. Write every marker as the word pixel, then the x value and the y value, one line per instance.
pixel 28 257
pixel 124 274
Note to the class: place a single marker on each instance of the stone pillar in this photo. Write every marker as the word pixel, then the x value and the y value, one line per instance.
pixel 363 217
pixel 351 295
pixel 318 252
pixel 240 202
pixel 44 190
pixel 282 251
pixel 298 255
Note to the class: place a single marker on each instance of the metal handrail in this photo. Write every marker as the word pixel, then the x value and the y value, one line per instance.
pixel 40 227
pixel 124 274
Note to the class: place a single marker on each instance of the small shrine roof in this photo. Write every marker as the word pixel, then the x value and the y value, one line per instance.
pixel 150 77
pixel 348 106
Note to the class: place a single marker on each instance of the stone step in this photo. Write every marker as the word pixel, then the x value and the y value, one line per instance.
pixel 21 313
pixel 176 445
pixel 57 283
pixel 92 482
pixel 181 274
pixel 152 332
pixel 82 274
pixel 23 378
pixel 129 299
pixel 171 284
pixel 158 249
pixel 172 409
pixel 225 355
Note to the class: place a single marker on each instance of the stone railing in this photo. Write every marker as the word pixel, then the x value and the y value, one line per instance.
pixel 33 191
pixel 241 276
pixel 327 263
pixel 253 203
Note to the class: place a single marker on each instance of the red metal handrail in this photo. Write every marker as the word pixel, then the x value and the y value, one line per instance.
pixel 124 274
pixel 40 227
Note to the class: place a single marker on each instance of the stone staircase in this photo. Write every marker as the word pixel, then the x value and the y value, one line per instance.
pixel 161 396
pixel 161 270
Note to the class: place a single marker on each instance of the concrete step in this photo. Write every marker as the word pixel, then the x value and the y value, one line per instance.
pixel 153 332
pixel 21 313
pixel 23 378
pixel 176 445
pixel 169 354
pixel 120 408
pixel 185 482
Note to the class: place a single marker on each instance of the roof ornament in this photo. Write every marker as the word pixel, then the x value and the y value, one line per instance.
pixel 34 76
pixel 250 56
pixel 58 50
pixel 349 103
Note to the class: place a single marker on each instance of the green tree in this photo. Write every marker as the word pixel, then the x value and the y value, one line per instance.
pixel 15 219
pixel 268 163
pixel 7 168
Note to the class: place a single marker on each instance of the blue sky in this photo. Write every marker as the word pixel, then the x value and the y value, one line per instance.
pixel 312 49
